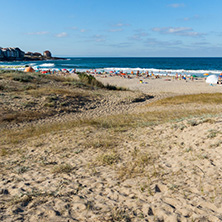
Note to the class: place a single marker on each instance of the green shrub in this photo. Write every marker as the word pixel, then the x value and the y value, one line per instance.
pixel 90 80
pixel 22 77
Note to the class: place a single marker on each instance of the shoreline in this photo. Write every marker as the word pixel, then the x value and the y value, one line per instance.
pixel 28 59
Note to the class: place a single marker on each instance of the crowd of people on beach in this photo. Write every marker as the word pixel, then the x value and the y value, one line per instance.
pixel 129 75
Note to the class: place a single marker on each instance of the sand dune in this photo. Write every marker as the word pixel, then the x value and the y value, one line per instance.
pixel 118 168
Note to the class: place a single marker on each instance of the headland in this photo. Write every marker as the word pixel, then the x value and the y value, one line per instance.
pixel 16 54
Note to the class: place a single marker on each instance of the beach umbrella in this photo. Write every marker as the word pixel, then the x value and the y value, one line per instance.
pixel 206 74
pixel 212 79
pixel 194 75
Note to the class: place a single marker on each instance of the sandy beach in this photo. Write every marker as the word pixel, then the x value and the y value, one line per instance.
pixel 128 156
pixel 162 85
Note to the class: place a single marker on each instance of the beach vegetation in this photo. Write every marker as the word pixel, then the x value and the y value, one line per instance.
pixel 108 158
pixel 118 214
pixel 62 168
pixel 192 122
pixel 39 96
pixel 212 133
pixel 103 141
pixel 113 122
pixel 203 98
pixel 112 87
pixel 3 152
pixel 217 144
pixel 2 87
pixel 21 169
pixel 138 166
pixel 90 80
pixel 22 77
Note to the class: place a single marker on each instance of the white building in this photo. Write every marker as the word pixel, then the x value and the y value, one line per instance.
pixel 11 53
pixel 1 54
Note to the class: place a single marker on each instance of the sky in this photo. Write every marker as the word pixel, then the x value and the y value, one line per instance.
pixel 113 28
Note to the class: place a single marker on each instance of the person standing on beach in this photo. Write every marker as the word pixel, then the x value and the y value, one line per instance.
pixel 138 73
pixel 176 77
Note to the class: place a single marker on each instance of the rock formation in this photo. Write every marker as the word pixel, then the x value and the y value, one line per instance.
pixel 16 54
pixel 47 54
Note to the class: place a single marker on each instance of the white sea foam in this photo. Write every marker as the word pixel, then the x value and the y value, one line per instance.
pixel 47 65
pixel 32 64
pixel 70 65
pixel 164 71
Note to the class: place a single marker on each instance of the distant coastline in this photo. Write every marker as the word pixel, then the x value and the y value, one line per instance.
pixel 12 54
pixel 32 59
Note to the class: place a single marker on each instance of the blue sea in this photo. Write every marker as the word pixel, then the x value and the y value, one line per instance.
pixel 162 66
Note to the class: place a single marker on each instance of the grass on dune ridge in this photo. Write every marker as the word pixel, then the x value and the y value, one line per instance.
pixel 85 80
pixel 203 98
pixel 120 123
pixel 34 96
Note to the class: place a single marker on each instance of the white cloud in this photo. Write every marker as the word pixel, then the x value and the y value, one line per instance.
pixel 153 42
pixel 191 18
pixel 138 36
pixel 181 31
pixel 98 38
pixel 61 35
pixel 120 25
pixel 201 43
pixel 95 38
pixel 116 30
pixel 78 29
pixel 83 30
pixel 176 5
pixel 120 45
pixel 38 33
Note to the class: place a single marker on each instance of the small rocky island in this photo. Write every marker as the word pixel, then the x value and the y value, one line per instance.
pixel 16 54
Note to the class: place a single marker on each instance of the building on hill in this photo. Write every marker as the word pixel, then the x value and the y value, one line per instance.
pixel 1 54
pixel 29 53
pixel 11 53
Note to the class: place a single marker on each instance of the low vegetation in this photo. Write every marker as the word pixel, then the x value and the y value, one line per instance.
pixel 127 156
pixel 117 123
pixel 204 98
pixel 34 96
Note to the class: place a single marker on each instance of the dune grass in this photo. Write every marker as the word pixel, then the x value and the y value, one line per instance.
pixel 117 123
pixel 85 80
pixel 203 98
pixel 121 123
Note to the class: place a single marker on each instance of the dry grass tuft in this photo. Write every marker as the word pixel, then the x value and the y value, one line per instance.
pixel 44 91
pixel 62 168
pixel 108 158
pixel 28 115
pixel 116 123
pixel 138 165
pixel 204 98
pixel 4 152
